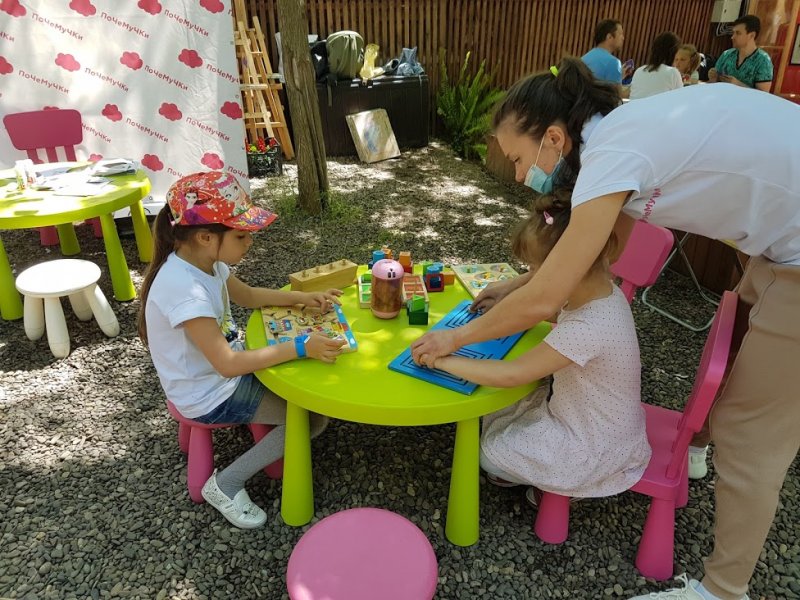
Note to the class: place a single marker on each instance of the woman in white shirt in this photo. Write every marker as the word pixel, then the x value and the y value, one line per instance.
pixel 718 161
pixel 658 75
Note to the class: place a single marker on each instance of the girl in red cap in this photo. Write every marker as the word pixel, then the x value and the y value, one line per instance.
pixel 185 319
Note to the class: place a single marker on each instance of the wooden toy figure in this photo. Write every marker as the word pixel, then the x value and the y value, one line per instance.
pixel 387 288
pixel 405 260
pixel 434 279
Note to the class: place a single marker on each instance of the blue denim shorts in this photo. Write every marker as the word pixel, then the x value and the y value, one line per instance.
pixel 241 406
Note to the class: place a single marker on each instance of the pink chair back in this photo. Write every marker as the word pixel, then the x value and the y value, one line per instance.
pixel 45 129
pixel 707 381
pixel 643 257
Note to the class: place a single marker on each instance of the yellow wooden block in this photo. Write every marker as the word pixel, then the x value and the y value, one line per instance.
pixel 338 274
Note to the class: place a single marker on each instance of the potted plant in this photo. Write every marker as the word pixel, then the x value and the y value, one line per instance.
pixel 264 158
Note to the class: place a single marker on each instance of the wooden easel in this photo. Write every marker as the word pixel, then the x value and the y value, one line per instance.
pixel 263 112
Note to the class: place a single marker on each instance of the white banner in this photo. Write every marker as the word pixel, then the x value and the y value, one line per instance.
pixel 154 80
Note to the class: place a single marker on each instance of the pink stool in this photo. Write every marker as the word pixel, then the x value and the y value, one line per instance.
pixel 195 440
pixel 362 554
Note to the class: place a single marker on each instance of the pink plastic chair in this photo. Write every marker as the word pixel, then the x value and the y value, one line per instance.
pixel 362 554
pixel 195 440
pixel 48 130
pixel 643 257
pixel 666 478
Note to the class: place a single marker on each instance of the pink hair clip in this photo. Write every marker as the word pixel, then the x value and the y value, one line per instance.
pixel 548 218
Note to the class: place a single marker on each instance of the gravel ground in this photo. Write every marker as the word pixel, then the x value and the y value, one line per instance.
pixel 93 487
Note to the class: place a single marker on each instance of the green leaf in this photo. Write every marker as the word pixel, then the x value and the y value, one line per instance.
pixel 465 106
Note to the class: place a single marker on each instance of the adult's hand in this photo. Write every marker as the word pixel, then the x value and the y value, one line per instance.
pixel 731 79
pixel 433 345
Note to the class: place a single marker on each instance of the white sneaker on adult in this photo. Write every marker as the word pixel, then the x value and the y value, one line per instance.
pixel 689 591
pixel 239 510
pixel 698 467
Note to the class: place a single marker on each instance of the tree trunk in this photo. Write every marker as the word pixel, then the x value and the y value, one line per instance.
pixel 301 90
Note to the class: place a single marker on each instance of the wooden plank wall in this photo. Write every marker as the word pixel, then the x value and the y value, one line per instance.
pixel 514 37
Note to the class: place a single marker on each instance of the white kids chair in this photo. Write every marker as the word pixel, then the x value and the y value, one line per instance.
pixel 44 284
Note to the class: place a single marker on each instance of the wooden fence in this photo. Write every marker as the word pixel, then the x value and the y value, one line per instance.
pixel 514 37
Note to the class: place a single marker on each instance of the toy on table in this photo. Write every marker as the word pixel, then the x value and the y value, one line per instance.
pixel 434 279
pixel 491 349
pixel 338 274
pixel 284 323
pixel 365 290
pixel 376 256
pixel 405 259
pixel 387 288
pixel 474 277
pixel 415 295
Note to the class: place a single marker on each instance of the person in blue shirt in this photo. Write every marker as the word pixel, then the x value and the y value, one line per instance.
pixel 608 40
pixel 745 64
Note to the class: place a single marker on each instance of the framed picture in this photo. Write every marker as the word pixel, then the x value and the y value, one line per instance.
pixel 795 58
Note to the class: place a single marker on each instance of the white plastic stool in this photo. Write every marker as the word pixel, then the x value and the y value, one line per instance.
pixel 48 281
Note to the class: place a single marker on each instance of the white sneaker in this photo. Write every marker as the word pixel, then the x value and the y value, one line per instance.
pixel 240 510
pixel 688 592
pixel 698 467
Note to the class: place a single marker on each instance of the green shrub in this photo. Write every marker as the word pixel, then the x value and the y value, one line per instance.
pixel 465 107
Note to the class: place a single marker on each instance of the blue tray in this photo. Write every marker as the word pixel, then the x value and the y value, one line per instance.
pixel 491 349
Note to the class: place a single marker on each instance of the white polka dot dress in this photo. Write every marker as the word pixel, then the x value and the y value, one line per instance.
pixel 590 439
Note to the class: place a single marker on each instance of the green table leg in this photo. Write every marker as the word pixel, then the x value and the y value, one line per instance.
pixel 10 300
pixel 117 267
pixel 68 239
pixel 297 500
pixel 141 230
pixel 462 505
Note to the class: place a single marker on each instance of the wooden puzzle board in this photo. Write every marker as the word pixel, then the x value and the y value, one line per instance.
pixel 284 323
pixel 476 276
pixel 490 349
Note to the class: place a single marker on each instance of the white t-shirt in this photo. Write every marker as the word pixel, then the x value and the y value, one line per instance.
pixel 649 83
pixel 590 440
pixel 715 160
pixel 181 292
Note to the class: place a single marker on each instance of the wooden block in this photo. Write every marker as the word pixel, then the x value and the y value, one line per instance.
pixel 449 277
pixel 339 274
pixel 365 290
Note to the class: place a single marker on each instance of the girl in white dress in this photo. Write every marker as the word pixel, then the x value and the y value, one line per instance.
pixel 589 439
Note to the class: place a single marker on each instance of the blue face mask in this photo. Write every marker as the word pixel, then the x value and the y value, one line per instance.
pixel 537 179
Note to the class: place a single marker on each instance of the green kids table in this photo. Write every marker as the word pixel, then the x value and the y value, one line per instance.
pixel 40 208
pixel 359 387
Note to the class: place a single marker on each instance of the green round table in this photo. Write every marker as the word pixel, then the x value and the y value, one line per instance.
pixel 40 208
pixel 360 387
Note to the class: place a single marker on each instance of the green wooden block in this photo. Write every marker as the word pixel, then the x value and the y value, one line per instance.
pixel 416 303
pixel 418 317
pixel 425 265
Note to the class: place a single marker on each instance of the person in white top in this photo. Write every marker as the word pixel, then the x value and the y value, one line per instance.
pixel 658 75
pixel 185 320
pixel 676 160
pixel 590 439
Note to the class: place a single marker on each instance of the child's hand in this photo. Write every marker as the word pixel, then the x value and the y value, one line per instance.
pixel 322 301
pixel 324 348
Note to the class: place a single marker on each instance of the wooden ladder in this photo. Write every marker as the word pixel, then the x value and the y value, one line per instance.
pixel 263 112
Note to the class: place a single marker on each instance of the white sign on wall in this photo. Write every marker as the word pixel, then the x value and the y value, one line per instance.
pixel 154 80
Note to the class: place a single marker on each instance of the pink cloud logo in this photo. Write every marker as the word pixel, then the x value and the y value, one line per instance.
pixel 131 60
pixel 232 110
pixel 83 7
pixel 152 162
pixel 170 111
pixel 68 62
pixel 190 58
pixel 111 112
pixel 5 66
pixel 13 7
pixel 212 6
pixel 95 157
pixel 212 161
pixel 150 6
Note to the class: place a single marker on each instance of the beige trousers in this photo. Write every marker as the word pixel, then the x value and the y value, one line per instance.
pixel 755 425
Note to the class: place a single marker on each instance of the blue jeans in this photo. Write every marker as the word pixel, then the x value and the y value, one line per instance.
pixel 241 406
